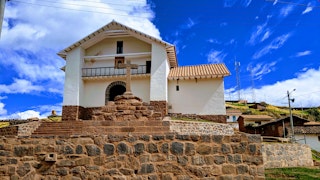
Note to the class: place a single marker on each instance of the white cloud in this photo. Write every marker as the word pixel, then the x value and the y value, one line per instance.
pixel 230 3
pixel 36 27
pixel 2 109
pixel 285 11
pixel 261 33
pixel 308 9
pixel 274 45
pixel 41 111
pixel 303 53
pixel 22 115
pixel 20 86
pixel 34 31
pixel 276 93
pixel 260 69
pixel 216 56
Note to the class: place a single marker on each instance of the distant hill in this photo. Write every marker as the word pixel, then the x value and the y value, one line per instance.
pixel 312 114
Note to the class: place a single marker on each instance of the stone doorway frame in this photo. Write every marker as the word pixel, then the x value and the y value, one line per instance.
pixel 115 83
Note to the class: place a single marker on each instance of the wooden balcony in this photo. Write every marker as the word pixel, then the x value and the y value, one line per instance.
pixel 112 71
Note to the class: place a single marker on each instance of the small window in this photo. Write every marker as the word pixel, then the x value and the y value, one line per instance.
pixel 234 118
pixel 318 138
pixel 119 47
pixel 117 61
pixel 177 88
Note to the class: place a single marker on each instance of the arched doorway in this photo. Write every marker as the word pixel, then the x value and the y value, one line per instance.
pixel 114 89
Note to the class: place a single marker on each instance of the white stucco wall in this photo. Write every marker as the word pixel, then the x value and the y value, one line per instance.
pixel 159 73
pixel 109 46
pixel 73 86
pixel 95 91
pixel 311 139
pixel 203 97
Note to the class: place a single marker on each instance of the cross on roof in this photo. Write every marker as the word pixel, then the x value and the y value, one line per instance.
pixel 128 67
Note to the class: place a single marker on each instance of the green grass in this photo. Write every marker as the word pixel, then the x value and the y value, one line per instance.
pixel 189 119
pixel 302 173
pixel 315 155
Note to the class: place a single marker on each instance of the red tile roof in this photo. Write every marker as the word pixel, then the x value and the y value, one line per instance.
pixel 199 72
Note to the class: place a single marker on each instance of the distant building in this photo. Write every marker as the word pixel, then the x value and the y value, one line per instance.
pixel 258 106
pixel 232 117
pixel 248 122
pixel 309 134
pixel 280 127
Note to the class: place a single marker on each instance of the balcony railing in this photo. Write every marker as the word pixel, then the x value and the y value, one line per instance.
pixel 111 71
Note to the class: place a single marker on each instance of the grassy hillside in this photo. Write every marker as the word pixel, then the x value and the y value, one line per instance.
pixel 302 173
pixel 275 111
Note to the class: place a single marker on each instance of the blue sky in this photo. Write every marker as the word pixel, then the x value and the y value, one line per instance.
pixel 276 42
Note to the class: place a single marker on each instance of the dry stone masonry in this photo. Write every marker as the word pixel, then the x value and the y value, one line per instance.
pixel 165 157
pixel 277 155
pixel 192 127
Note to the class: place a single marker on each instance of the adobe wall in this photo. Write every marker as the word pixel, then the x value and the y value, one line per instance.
pixel 132 157
pixel 276 155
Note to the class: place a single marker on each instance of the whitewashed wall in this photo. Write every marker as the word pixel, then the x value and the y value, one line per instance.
pixel 311 139
pixel 159 73
pixel 108 47
pixel 95 91
pixel 203 97
pixel 73 86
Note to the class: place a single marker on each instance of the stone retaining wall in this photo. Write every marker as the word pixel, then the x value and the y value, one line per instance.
pixel 27 129
pixel 164 157
pixel 192 127
pixel 213 118
pixel 276 155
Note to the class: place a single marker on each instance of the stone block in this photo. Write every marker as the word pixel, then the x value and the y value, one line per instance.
pixel 146 169
pixel 219 159
pixel 93 150
pixel 21 151
pixel 83 161
pixel 138 148
pixel 23 169
pixel 190 149
pixel 169 168
pixel 242 169
pixel 203 149
pixel 152 148
pixel 164 148
pixel 228 169
pixel 122 148
pixel 198 160
pixel 225 148
pixel 239 148
pixel 176 148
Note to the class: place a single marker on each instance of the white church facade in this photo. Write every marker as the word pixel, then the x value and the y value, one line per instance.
pixel 93 77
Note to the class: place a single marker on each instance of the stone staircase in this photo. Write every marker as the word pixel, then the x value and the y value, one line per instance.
pixel 127 115
pixel 67 128
pixel 59 128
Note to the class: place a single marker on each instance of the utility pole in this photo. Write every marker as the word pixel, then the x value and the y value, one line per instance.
pixel 2 5
pixel 290 112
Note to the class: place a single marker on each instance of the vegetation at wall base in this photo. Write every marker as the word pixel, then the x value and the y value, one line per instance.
pixel 302 173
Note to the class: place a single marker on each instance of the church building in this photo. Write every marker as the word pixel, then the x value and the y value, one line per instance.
pixel 94 75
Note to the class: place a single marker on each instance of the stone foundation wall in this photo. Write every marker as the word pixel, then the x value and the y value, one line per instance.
pixel 160 106
pixel 213 118
pixel 70 113
pixel 191 127
pixel 27 129
pixel 132 157
pixel 9 130
pixel 277 155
